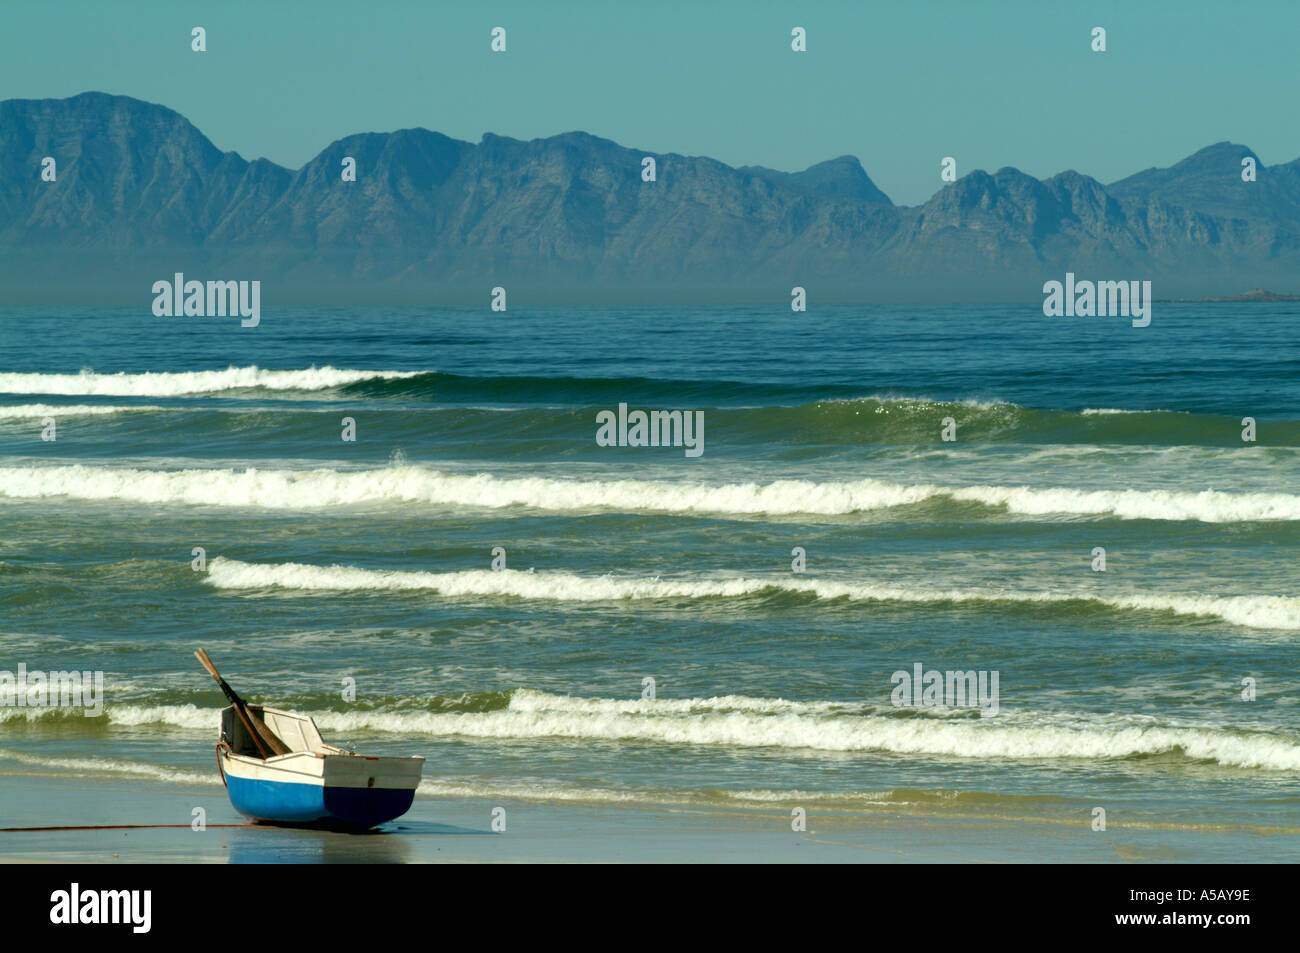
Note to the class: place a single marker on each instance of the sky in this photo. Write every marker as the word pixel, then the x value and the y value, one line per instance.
pixel 899 85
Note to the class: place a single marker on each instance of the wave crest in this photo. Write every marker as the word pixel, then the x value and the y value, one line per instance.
pixel 306 489
pixel 1261 612
pixel 743 722
pixel 181 383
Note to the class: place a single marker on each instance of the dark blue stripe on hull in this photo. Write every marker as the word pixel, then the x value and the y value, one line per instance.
pixel 367 807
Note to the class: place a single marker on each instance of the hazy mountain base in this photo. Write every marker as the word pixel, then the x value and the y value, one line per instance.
pixel 82 278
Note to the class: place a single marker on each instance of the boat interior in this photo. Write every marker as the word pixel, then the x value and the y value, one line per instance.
pixel 297 732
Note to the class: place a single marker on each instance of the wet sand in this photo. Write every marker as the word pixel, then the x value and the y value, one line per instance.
pixel 452 830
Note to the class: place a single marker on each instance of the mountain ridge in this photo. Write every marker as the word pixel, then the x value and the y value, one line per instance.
pixel 141 191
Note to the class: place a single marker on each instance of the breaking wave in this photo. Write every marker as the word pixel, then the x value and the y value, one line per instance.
pixel 306 489
pixel 166 384
pixel 744 722
pixel 23 411
pixel 1260 612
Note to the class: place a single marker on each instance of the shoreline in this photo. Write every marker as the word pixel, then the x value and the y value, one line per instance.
pixel 459 830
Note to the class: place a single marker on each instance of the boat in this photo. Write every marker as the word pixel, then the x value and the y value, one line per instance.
pixel 278 770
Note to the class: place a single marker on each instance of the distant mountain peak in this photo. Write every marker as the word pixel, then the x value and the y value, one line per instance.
pixel 1222 159
pixel 842 176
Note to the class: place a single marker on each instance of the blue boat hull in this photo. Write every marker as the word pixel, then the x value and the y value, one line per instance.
pixel 284 802
pixel 309 782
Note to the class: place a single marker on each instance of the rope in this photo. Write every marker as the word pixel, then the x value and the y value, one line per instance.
pixel 220 769
pixel 108 827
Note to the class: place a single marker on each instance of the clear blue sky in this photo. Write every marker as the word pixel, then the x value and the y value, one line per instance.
pixel 899 85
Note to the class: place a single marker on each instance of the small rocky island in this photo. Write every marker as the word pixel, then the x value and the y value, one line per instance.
pixel 1256 294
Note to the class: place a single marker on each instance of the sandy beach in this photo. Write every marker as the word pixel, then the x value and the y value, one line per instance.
pixel 455 830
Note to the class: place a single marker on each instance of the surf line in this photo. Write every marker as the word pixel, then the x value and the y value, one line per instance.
pixel 110 827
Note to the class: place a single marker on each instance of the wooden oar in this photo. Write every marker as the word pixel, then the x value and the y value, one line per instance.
pixel 262 736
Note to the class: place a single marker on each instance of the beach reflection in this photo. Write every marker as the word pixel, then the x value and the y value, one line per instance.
pixel 391 844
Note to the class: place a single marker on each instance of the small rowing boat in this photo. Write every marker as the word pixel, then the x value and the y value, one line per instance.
pixel 278 770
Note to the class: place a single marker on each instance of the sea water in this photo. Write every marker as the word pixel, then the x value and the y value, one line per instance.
pixel 476 578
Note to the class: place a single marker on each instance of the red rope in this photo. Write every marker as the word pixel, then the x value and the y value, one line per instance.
pixel 109 827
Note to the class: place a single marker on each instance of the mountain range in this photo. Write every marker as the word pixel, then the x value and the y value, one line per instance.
pixel 141 193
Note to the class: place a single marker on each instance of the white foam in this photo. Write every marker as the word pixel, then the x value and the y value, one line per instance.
pixel 741 722
pixel 21 411
pixel 1209 506
pixel 180 716
pixel 164 384
pixel 1262 612
pixel 307 489
pixel 921 403
pixel 999 737
pixel 103 766
pixel 1109 411
pixel 529 790
pixel 534 790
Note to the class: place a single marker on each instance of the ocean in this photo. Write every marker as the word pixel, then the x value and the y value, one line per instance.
pixel 370 563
